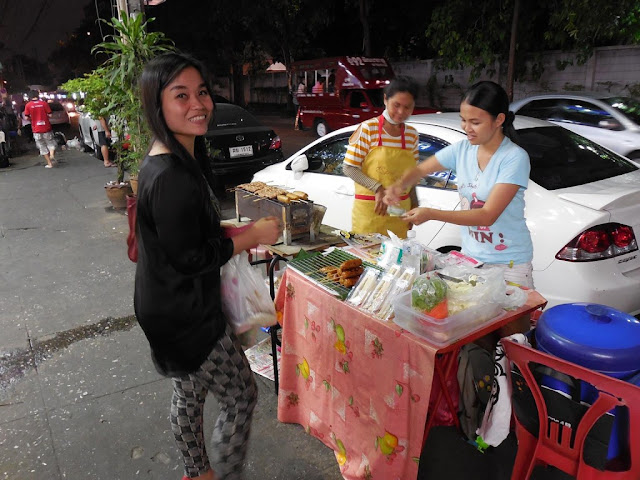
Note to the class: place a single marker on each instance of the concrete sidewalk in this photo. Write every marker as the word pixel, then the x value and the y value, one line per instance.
pixel 79 397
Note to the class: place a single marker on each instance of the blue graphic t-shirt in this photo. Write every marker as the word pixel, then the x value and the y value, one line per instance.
pixel 508 239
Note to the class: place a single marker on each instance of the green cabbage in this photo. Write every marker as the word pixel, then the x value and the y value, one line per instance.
pixel 428 292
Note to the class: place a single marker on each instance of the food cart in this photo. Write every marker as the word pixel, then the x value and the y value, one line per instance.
pixel 358 362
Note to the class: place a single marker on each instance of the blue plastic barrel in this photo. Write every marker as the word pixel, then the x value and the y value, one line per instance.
pixel 599 338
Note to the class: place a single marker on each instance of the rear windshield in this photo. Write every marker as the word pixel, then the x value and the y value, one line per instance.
pixel 370 72
pixel 234 117
pixel 627 105
pixel 561 158
pixel 56 107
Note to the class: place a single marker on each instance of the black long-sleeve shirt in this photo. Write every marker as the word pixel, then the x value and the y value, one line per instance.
pixel 180 252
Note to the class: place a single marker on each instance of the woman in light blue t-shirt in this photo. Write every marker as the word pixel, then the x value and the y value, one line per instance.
pixel 492 172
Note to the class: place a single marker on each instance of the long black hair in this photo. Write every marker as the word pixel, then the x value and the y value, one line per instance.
pixel 157 74
pixel 492 98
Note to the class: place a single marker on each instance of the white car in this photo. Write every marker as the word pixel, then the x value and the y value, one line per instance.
pixel 610 120
pixel 59 115
pixel 582 205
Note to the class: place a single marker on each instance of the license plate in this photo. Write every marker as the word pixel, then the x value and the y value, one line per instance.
pixel 244 151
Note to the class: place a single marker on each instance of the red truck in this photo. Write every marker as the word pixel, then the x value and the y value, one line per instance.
pixel 341 91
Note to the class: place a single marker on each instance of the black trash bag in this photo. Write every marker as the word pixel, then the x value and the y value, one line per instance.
pixel 61 140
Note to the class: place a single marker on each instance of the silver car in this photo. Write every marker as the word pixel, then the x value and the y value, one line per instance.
pixel 610 120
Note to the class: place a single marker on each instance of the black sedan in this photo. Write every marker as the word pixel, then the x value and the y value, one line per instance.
pixel 239 144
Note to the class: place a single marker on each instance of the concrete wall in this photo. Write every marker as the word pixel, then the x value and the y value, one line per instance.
pixel 612 69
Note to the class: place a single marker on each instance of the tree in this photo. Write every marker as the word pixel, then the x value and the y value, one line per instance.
pixel 479 37
pixel 127 52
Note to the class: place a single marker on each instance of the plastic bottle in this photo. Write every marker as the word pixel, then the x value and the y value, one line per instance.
pixel 411 251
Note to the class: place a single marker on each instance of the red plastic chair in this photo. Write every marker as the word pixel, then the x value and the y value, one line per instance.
pixel 552 445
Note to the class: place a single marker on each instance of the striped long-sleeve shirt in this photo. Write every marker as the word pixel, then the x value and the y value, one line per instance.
pixel 366 137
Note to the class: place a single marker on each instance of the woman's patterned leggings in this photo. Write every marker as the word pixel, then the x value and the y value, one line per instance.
pixel 225 373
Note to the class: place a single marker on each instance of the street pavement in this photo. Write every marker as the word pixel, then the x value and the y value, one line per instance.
pixel 79 396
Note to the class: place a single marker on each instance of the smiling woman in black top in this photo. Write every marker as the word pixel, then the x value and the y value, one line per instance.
pixel 180 251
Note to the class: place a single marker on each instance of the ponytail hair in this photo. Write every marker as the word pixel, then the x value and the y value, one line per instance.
pixel 492 98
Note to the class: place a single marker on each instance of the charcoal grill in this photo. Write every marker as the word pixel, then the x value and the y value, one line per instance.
pixel 296 217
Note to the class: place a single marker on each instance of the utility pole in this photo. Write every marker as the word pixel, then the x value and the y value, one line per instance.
pixel 131 8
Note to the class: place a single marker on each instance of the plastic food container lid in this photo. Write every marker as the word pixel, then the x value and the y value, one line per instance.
pixel 595 336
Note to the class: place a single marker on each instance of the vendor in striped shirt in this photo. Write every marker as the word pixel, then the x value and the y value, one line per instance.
pixel 380 151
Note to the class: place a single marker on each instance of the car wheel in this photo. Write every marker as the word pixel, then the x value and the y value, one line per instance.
pixel 321 128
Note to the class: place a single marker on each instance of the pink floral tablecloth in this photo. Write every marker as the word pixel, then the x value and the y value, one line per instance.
pixel 359 384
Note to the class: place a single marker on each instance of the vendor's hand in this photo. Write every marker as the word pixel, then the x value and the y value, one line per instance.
pixel 266 230
pixel 416 216
pixel 381 207
pixel 107 133
pixel 393 194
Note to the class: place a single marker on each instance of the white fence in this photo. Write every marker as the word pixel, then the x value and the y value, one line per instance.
pixel 612 69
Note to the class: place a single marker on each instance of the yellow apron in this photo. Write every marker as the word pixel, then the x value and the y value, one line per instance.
pixel 385 165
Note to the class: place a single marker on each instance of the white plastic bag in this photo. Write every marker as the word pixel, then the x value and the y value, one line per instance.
pixel 245 295
pixel 480 286
pixel 476 286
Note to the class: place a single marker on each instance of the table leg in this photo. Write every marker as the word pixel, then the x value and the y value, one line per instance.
pixel 273 331
pixel 443 365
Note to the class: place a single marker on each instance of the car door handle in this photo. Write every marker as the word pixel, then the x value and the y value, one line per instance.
pixel 343 190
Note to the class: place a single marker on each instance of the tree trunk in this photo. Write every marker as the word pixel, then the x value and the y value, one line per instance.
pixel 366 30
pixel 238 85
pixel 512 50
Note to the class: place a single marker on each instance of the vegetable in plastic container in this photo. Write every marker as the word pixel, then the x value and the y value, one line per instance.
pixel 429 296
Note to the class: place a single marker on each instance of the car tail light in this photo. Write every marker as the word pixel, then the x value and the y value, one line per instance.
pixel 599 243
pixel 276 143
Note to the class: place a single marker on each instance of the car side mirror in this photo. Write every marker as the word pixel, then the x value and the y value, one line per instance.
pixel 299 165
pixel 610 124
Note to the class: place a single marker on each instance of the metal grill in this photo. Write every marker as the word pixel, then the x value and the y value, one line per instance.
pixel 296 217
pixel 310 267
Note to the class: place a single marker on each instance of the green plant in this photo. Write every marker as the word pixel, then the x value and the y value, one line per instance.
pixel 127 53
pixel 634 89
pixel 92 86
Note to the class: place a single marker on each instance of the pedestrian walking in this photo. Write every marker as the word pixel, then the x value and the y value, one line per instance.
pixel 181 248
pixel 38 112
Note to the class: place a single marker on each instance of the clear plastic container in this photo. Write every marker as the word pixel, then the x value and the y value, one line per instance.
pixel 442 332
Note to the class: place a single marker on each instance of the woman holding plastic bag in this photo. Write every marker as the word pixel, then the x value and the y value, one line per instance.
pixel 492 174
pixel 180 251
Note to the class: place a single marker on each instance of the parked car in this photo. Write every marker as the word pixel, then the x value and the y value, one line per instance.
pixel 583 205
pixel 610 120
pixel 239 144
pixel 59 115
pixel 85 126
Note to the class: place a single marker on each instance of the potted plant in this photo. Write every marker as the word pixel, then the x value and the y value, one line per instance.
pixel 112 92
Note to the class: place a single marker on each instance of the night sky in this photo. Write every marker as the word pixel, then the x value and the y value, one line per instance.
pixel 33 27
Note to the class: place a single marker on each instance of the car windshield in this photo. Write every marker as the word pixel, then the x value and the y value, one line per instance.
pixel 561 158
pixel 627 105
pixel 234 117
